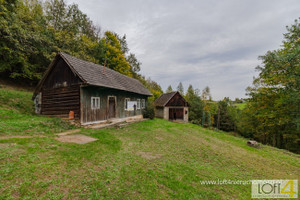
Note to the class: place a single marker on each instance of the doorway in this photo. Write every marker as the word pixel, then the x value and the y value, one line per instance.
pixel 111 107
pixel 175 113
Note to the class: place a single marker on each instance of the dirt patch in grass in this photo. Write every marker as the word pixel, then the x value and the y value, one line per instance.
pixel 159 138
pixel 149 155
pixel 6 145
pixel 78 139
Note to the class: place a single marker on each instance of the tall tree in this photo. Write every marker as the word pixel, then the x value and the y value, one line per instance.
pixel 24 45
pixel 226 116
pixel 123 43
pixel 196 105
pixel 169 89
pixel 153 87
pixel 190 93
pixel 32 32
pixel 113 56
pixel 180 88
pixel 135 65
pixel 274 102
pixel 56 11
pixel 206 93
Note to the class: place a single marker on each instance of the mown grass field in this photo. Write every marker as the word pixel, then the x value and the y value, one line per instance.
pixel 153 159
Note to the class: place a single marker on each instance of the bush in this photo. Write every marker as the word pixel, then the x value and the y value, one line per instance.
pixel 148 112
pixel 198 122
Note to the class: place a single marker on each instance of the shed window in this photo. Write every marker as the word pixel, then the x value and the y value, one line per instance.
pixel 138 104
pixel 95 102
pixel 143 103
pixel 126 103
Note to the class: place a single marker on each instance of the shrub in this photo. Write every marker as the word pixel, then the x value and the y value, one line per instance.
pixel 198 122
pixel 148 112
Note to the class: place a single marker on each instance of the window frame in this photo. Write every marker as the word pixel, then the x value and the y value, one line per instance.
pixel 143 103
pixel 126 103
pixel 138 104
pixel 95 103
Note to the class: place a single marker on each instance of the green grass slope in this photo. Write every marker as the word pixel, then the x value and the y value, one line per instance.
pixel 17 115
pixel 153 159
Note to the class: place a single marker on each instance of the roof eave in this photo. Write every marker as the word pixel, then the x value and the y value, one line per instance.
pixel 98 85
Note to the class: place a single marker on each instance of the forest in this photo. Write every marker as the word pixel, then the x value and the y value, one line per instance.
pixel 32 32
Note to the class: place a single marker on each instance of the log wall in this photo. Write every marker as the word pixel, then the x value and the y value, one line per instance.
pixel 61 92
pixel 60 101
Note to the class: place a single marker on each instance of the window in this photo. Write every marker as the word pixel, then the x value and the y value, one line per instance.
pixel 138 104
pixel 126 103
pixel 95 102
pixel 143 103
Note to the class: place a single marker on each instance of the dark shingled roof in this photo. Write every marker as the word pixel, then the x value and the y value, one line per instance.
pixel 163 99
pixel 97 75
pixel 94 74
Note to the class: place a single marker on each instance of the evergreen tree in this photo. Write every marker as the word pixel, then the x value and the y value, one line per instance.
pixel 169 89
pixel 180 88
pixel 226 117
pixel 196 105
pixel 190 93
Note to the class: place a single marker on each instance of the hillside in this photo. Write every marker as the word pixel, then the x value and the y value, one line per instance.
pixel 147 160
pixel 18 117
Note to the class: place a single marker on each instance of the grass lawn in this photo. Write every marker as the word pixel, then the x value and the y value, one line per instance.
pixel 153 159
pixel 17 115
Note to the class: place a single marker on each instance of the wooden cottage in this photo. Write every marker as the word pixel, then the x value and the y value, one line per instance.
pixel 90 91
pixel 171 106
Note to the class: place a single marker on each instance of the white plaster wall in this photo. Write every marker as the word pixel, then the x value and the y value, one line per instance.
pixel 186 116
pixel 166 113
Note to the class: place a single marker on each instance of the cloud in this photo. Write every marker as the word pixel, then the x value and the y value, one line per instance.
pixel 198 42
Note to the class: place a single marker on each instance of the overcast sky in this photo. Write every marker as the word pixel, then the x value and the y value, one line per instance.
pixel 212 43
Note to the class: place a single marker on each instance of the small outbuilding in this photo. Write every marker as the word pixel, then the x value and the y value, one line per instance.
pixel 171 106
pixel 89 92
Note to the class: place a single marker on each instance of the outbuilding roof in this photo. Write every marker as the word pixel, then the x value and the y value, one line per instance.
pixel 97 75
pixel 163 99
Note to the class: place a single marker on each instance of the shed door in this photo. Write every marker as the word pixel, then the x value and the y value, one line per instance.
pixel 175 113
pixel 111 107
